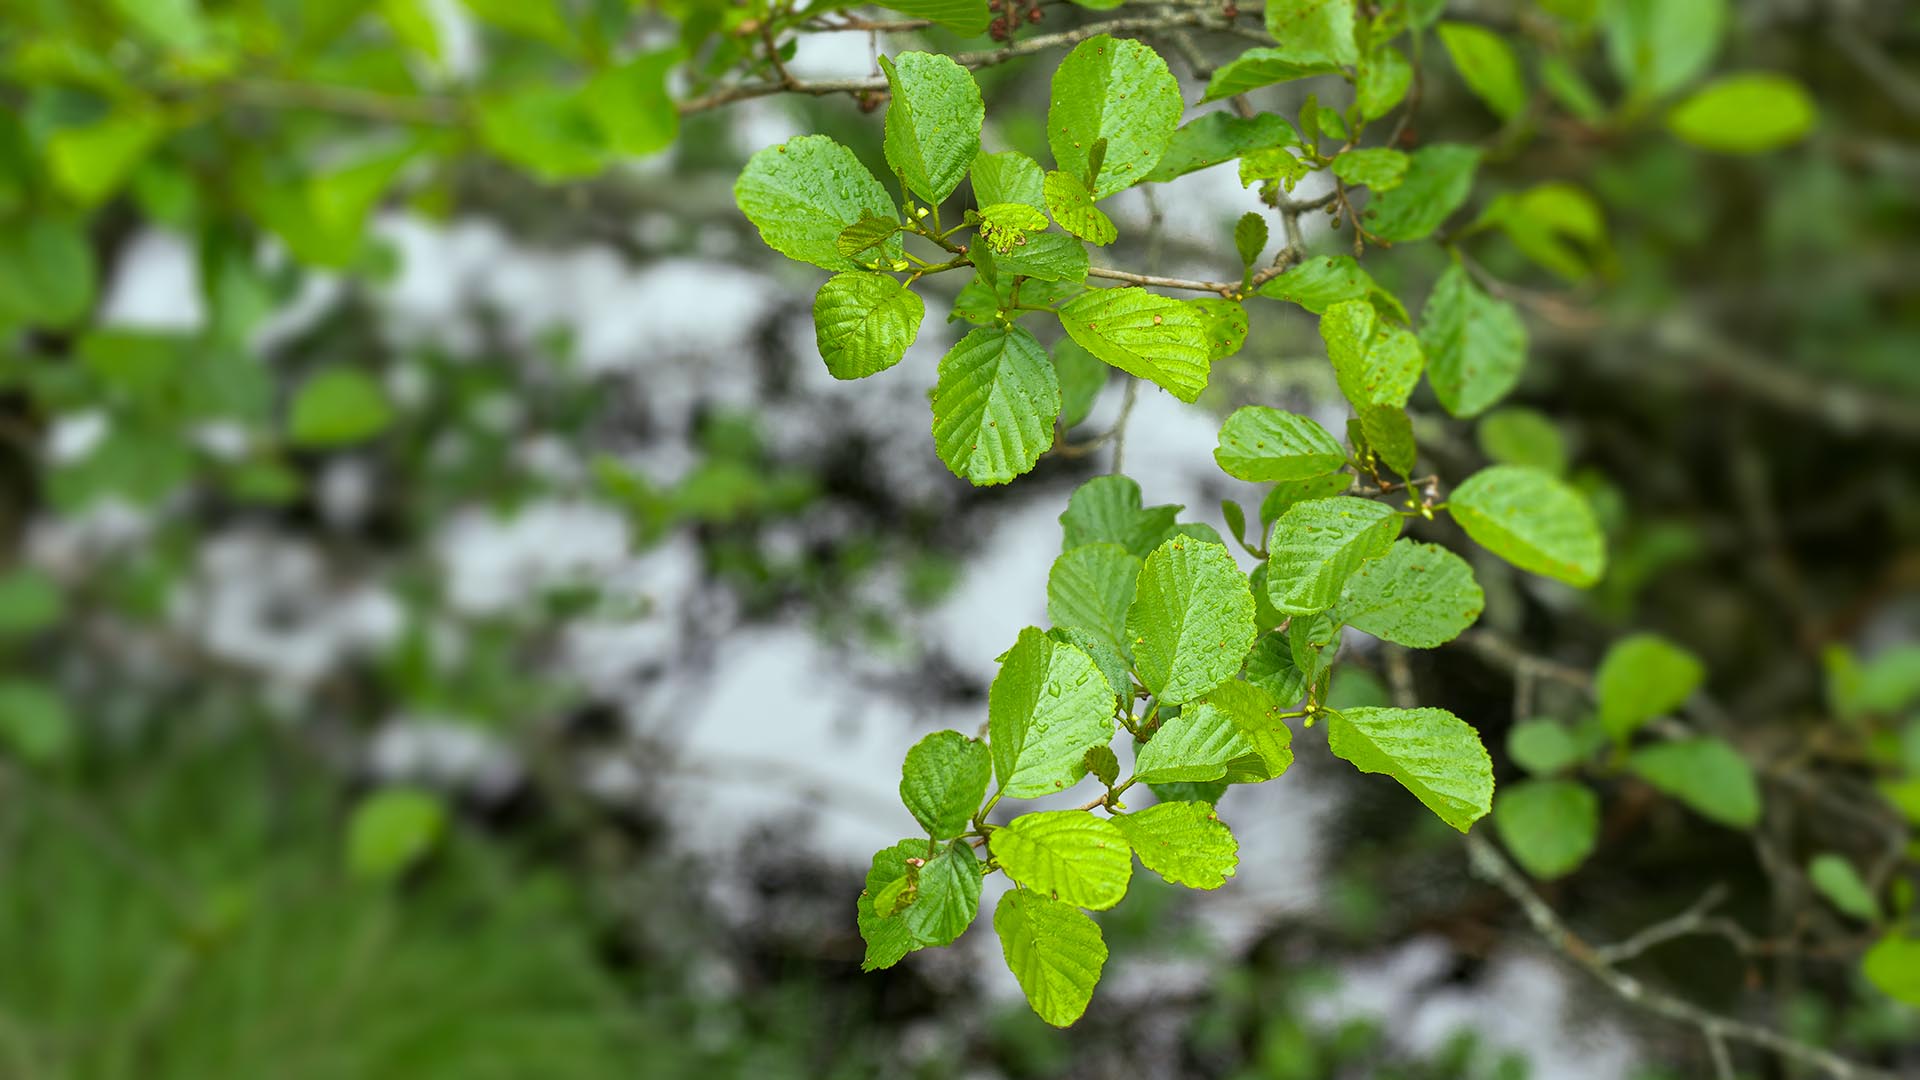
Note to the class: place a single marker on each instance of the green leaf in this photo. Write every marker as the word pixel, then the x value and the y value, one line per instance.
pixel 30 601
pixel 1008 177
pixel 1893 965
pixel 1116 91
pixel 1750 113
pixel 1487 63
pixel 1257 713
pixel 1321 282
pixel 1103 765
pixel 892 883
pixel 804 193
pixel 1556 224
pixel 1054 951
pixel 1657 46
pixel 550 132
pixel 1315 546
pixel 946 895
pixel 861 237
pixel 1704 773
pixel 1107 509
pixel 1374 361
pixel 994 405
pixel 1152 337
pixel 1543 747
pixel 1224 322
pixel 1184 842
pixel 632 106
pixel 1070 855
pixel 1106 657
pixel 35 723
pixel 541 20
pixel 1549 825
pixel 1191 621
pixel 933 122
pixel 1417 595
pixel 1313 31
pixel 1533 521
pixel 1288 492
pixel 1091 587
pixel 1379 168
pixel 1006 226
pixel 966 17
pixel 92 162
pixel 1071 206
pixel 1250 238
pixel 1439 179
pixel 1082 376
pixel 391 830
pixel 864 323
pixel 943 780
pixel 1048 704
pixel 1517 435
pixel 1195 746
pixel 337 407
pixel 1256 68
pixel 1842 885
pixel 47 271
pixel 1475 345
pixel 1271 668
pixel 1045 256
pixel 1262 444
pixel 1384 82
pixel 1219 137
pixel 1641 677
pixel 1389 436
pixel 1431 752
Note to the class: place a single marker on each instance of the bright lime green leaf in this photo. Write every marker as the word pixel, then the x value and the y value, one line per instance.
pixel 946 895
pixel 1288 492
pixel 1191 622
pixel 336 407
pixel 1072 206
pixel 1323 281
pixel 1543 747
pixel 90 163
pixel 1658 46
pixel 1417 595
pixel 30 601
pixel 1549 825
pixel 1116 91
pixel 1475 345
pixel 549 131
pixel 1054 951
pixel 933 122
pixel 47 271
pixel 1315 546
pixel 1184 842
pixel 1893 965
pixel 1070 855
pixel 994 405
pixel 35 723
pixel 892 884
pixel 1081 375
pixel 1006 226
pixel 1263 445
pixel 1277 166
pixel 1517 435
pixel 1439 179
pixel 966 17
pixel 1533 521
pixel 1842 885
pixel 541 20
pixel 630 103
pixel 1256 68
pixel 1219 137
pixel 864 323
pixel 1045 256
pixel 1223 322
pixel 1705 774
pixel 1374 361
pixel 943 780
pixel 1384 82
pixel 1195 746
pixel 391 830
pixel 1313 31
pixel 1379 168
pixel 175 24
pixel 1008 177
pixel 1046 707
pixel 1108 509
pixel 1257 713
pixel 1091 587
pixel 1389 435
pixel 1152 337
pixel 1487 63
pixel 804 193
pixel 1431 752
pixel 1556 224
pixel 412 23
pixel 1750 113
pixel 1641 677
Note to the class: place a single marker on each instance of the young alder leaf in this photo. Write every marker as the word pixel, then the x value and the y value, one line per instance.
pixel 1118 90
pixel 1374 361
pixel 1005 226
pixel 1657 47
pixel 1843 886
pixel 1431 752
pixel 1152 337
pixel 1641 677
pixel 1317 545
pixel 1517 435
pixel 1288 492
pixel 1543 747
pixel 1321 282
pixel 1184 842
pixel 1269 167
pixel 1044 256
pixel 1048 704
pixel 1195 746
pixel 994 405
pixel 1417 595
pixel 1107 509
pixel 1271 668
pixel 891 880
pixel 864 323
pixel 1219 137
pixel 1439 179
pixel 943 780
pixel 1250 238
pixel 1313 31
pixel 1487 63
pixel 861 237
pixel 1549 825
pixel 947 896
pixel 1379 168
pixel 1256 68
pixel 1475 345
pixel 1070 855
pixel 933 122
pixel 1750 113
pixel 1533 521
pixel 1081 375
pixel 1191 621
pixel 1054 951
pixel 1384 81
pixel 1224 322
pixel 1706 774
pixel 1072 206
pixel 1103 766
pixel 1090 587
pixel 804 193
pixel 1008 177
pixel 1389 433
pixel 1257 714
pixel 391 830
pixel 1262 444
pixel 1893 965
